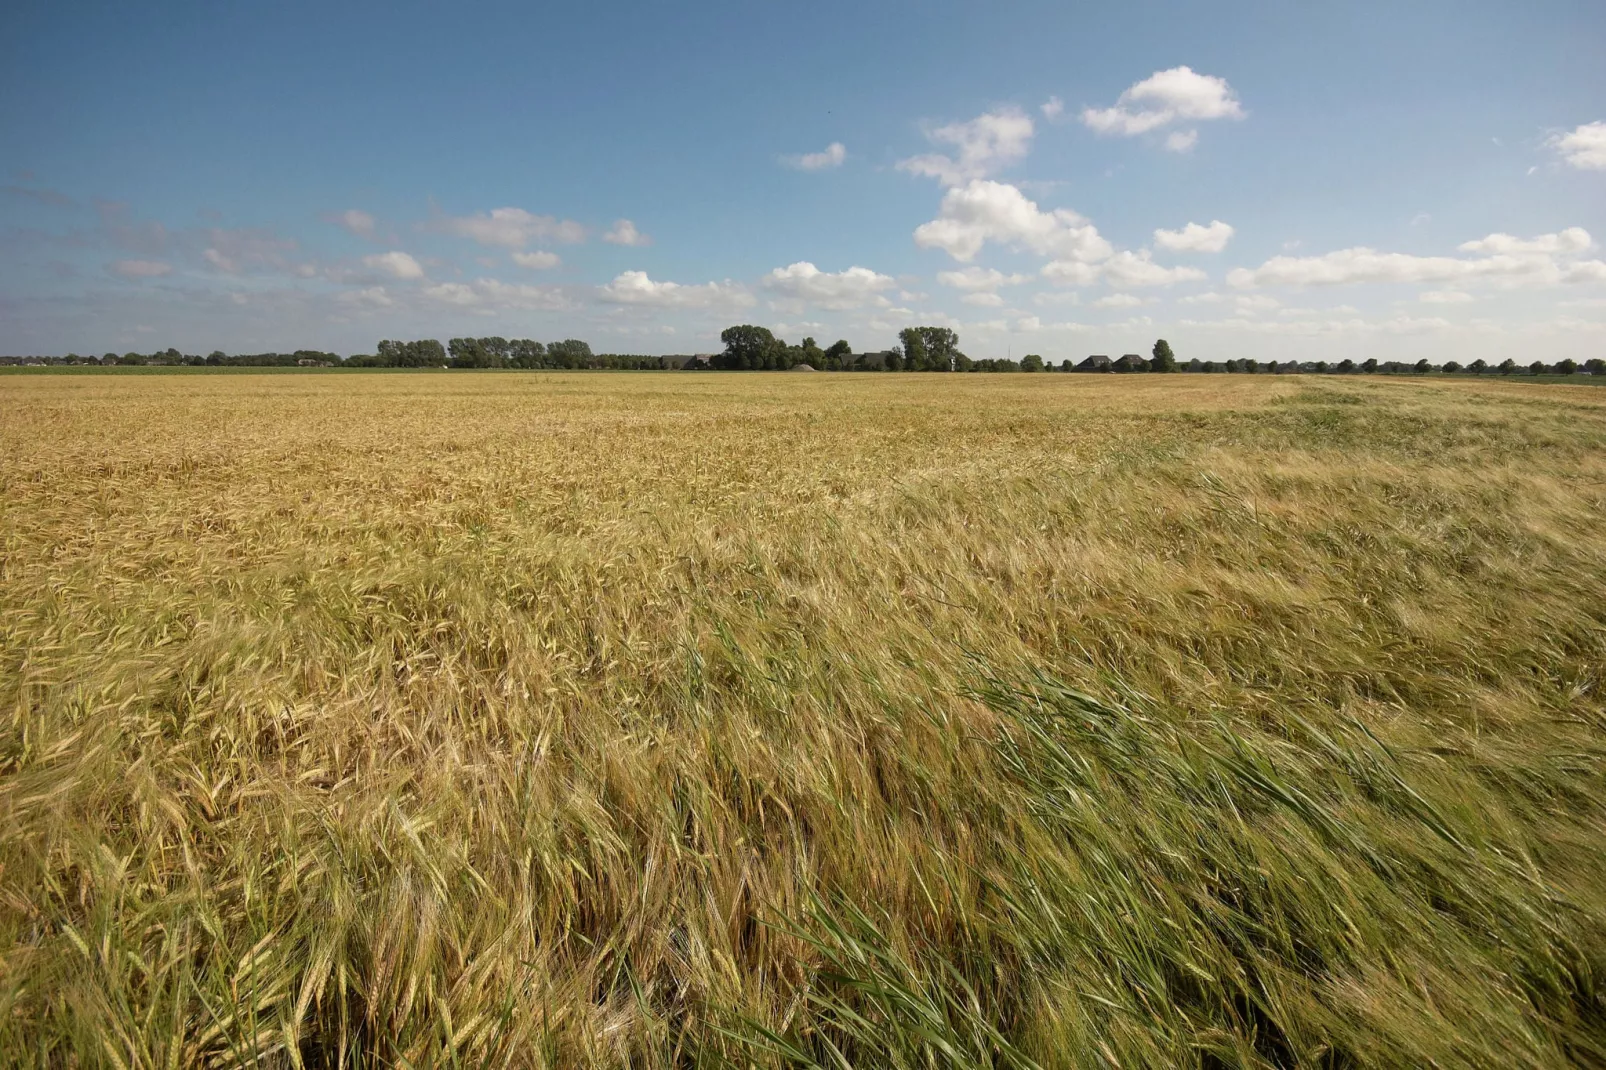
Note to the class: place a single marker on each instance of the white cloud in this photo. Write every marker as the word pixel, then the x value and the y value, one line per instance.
pixel 984 299
pixel 452 293
pixel 1071 273
pixel 1304 327
pixel 1128 269
pixel 1333 310
pixel 396 264
pixel 1053 108
pixel 983 211
pixel 233 251
pixel 978 278
pixel 1245 304
pixel 1163 98
pixel 510 227
pixel 1119 301
pixel 141 269
pixel 831 156
pixel 372 296
pixel 635 288
pixel 521 295
pixel 1444 297
pixel 853 288
pixel 1571 240
pixel 1195 238
pixel 1584 271
pixel 1028 324
pixel 491 295
pixel 1545 260
pixel 624 232
pixel 1181 140
pixel 1583 147
pixel 538 260
pixel 985 145
pixel 354 220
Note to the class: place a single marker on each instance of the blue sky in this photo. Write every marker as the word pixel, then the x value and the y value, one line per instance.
pixel 1389 179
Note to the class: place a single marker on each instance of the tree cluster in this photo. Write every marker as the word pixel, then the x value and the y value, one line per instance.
pixel 498 352
pixel 750 348
pixel 920 349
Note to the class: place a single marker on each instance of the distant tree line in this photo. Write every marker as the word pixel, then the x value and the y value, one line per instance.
pixel 215 359
pixel 752 348
pixel 936 349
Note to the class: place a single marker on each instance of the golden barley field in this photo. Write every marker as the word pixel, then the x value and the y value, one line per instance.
pixel 767 720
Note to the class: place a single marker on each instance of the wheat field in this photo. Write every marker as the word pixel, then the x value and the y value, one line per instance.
pixel 653 720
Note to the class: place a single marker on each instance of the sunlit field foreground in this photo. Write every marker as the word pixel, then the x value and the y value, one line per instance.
pixel 787 720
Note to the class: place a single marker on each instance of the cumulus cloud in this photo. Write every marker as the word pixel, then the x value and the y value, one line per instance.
pixel 355 221
pixel 1195 238
pixel 1583 271
pixel 492 295
pixel 624 232
pixel 1584 147
pixel 368 297
pixel 396 264
pixel 1313 327
pixel 1178 95
pixel 510 227
pixel 521 296
pixel 1245 304
pixel 1071 273
pixel 1569 241
pixel 1120 301
pixel 853 288
pixel 1128 270
pixel 1181 140
pixel 983 211
pixel 452 293
pixel 1053 108
pixel 538 260
pixel 1545 260
pixel 978 279
pixel 982 147
pixel 233 251
pixel 984 299
pixel 141 269
pixel 1444 297
pixel 831 156
pixel 635 288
